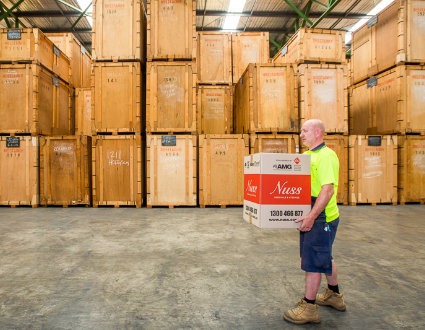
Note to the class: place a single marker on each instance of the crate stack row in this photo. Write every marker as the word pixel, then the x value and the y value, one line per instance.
pixel 38 77
pixel 315 61
pixel 171 141
pixel 387 107
pixel 117 89
pixel 221 59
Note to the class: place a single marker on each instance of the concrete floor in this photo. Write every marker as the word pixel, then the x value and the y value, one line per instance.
pixel 192 268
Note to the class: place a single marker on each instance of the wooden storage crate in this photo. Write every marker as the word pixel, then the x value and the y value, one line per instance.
pixel 116 95
pixel 311 45
pixel 30 45
pixel 248 47
pixel 372 169
pixel 393 100
pixel 171 30
pixel 83 110
pixel 411 169
pixel 339 144
pixel 171 170
pixel 214 109
pixel 117 168
pixel 65 170
pixel 19 170
pixel 266 99
pixel 80 59
pixel 394 36
pixel 221 168
pixel 34 101
pixel 360 116
pixel 119 30
pixel 214 57
pixel 323 93
pixel 171 97
pixel 274 143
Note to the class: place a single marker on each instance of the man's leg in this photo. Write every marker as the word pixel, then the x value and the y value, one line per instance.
pixel 332 297
pixel 306 310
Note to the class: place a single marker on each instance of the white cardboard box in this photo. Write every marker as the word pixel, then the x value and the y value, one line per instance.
pixel 277 189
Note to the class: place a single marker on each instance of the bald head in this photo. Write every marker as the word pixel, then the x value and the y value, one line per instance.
pixel 312 133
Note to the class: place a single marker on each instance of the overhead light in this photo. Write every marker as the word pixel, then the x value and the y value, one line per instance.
pixel 232 20
pixel 378 8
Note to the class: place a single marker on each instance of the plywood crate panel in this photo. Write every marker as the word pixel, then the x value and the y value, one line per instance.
pixel 214 57
pixel 19 170
pixel 372 171
pixel 83 111
pixel 34 101
pixel 116 97
pixel 214 109
pixel 33 46
pixel 118 30
pixel 323 93
pixel 171 97
pixel 339 144
pixel 117 168
pixel 171 170
pixel 65 170
pixel 248 47
pixel 394 37
pixel 171 29
pixel 311 45
pixel 266 99
pixel 274 143
pixel 80 59
pixel 221 159
pixel 360 109
pixel 394 101
pixel 411 169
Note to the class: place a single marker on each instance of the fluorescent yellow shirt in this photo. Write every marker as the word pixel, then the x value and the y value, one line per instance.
pixel 325 170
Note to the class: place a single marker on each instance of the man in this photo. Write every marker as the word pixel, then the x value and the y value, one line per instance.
pixel 318 229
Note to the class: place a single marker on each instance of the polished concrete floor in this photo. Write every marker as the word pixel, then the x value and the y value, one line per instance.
pixel 192 268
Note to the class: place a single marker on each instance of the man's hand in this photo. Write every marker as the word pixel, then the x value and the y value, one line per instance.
pixel 307 223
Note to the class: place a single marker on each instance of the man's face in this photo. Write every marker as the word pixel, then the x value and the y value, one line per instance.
pixel 308 135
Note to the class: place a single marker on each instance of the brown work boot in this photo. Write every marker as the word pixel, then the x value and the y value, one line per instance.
pixel 330 298
pixel 302 313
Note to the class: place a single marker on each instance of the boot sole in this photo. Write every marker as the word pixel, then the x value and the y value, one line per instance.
pixel 338 309
pixel 299 322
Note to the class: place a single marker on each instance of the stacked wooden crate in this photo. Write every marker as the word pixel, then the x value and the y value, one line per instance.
pixel 386 93
pixel 265 102
pixel 318 58
pixel 35 103
pixel 171 141
pixel 65 160
pixel 117 88
pixel 220 151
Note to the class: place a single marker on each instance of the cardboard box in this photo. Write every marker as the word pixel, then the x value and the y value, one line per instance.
pixel 277 189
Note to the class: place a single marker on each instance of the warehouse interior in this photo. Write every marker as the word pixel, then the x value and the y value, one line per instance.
pixel 130 132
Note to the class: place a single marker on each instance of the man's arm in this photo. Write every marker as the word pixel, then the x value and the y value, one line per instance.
pixel 322 200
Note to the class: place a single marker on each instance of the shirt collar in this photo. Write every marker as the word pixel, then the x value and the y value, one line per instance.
pixel 320 146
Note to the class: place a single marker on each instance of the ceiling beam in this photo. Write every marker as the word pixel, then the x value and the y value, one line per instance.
pixel 281 14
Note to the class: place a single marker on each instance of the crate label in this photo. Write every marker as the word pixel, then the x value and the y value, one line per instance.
pixel 374 141
pixel 168 141
pixel 14 34
pixel 56 51
pixel 372 21
pixel 13 142
pixel 284 50
pixel 83 50
pixel 55 81
pixel 372 82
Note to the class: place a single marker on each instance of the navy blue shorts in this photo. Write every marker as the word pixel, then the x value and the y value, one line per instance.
pixel 316 246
